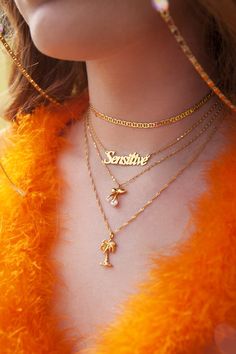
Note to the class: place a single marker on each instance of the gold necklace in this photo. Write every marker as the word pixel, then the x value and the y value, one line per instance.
pixel 132 158
pixel 108 246
pixel 116 192
pixel 149 125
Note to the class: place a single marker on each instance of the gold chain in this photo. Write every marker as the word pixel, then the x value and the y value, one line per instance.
pixel 168 145
pixel 164 158
pixel 165 14
pixel 148 125
pixel 109 245
pixel 25 73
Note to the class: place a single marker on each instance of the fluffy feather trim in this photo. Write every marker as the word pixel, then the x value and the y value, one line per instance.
pixel 28 231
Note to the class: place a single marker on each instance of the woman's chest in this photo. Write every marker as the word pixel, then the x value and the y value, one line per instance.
pixel 92 295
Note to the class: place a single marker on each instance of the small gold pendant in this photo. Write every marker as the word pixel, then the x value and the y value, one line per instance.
pixel 113 197
pixel 108 246
pixel 133 159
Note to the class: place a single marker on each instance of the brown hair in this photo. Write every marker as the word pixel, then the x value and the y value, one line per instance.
pixel 61 79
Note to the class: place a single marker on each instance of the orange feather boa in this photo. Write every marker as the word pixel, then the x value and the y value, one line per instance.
pixel 186 296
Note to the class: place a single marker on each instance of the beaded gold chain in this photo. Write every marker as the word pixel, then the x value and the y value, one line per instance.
pixel 120 189
pixel 109 246
pixel 149 125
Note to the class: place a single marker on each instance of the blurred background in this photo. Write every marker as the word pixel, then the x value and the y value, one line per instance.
pixel 4 66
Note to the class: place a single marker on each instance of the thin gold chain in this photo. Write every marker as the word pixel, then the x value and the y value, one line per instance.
pixel 164 158
pixel 111 232
pixel 149 125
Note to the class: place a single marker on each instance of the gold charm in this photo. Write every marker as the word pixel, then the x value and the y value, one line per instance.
pixel 113 197
pixel 133 159
pixel 108 246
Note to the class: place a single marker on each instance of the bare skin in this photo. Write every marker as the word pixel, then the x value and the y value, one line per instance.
pixel 136 72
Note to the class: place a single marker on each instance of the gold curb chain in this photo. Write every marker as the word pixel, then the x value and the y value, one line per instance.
pixel 149 125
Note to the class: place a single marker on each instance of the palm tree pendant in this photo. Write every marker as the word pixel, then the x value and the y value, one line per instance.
pixel 108 246
pixel 115 193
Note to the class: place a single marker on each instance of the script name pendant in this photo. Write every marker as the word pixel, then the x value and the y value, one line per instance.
pixel 133 159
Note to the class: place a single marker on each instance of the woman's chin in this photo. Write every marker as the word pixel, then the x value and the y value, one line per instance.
pixel 68 31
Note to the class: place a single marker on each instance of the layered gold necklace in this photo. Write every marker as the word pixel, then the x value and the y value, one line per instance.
pixel 109 245
pixel 120 188
pixel 134 158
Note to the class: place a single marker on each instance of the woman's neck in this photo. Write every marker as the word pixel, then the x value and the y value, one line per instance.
pixel 148 80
